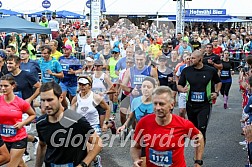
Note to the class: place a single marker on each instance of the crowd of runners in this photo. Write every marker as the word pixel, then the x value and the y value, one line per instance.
pixel 75 87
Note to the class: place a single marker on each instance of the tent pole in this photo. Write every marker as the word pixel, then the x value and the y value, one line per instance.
pixel 157 21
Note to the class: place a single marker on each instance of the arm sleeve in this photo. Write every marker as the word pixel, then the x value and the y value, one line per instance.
pixel 217 60
pixel 31 79
pixel 117 67
pixel 24 105
pixel 58 67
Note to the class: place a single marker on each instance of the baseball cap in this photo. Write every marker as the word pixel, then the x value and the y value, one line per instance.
pixel 83 81
pixel 165 45
pixel 89 59
pixel 67 47
pixel 98 62
pixel 162 57
pixel 117 50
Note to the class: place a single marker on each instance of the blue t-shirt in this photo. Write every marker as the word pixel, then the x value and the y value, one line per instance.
pixel 52 65
pixel 121 64
pixel 140 110
pixel 66 64
pixel 32 67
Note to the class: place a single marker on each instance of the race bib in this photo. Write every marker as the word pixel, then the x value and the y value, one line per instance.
pixel 8 130
pixel 160 158
pixel 62 165
pixel 18 94
pixel 65 67
pixel 198 96
pixel 138 79
pixel 225 73
pixel 47 76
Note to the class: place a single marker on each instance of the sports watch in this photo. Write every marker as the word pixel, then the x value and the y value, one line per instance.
pixel 83 164
pixel 200 162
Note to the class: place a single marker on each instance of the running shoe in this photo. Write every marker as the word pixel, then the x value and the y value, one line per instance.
pixel 225 106
pixel 26 158
pixel 98 163
pixel 35 146
pixel 243 143
pixel 113 128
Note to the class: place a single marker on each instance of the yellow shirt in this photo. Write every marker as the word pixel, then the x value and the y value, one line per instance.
pixel 56 55
pixel 155 50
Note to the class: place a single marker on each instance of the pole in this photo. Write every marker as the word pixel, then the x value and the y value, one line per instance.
pixel 180 16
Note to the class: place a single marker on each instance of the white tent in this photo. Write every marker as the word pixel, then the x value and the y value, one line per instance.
pixel 133 7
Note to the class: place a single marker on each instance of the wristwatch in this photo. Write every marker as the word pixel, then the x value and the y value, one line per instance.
pixel 217 93
pixel 106 122
pixel 83 164
pixel 200 162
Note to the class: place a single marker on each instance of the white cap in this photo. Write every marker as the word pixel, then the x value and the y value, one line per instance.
pixel 89 59
pixel 83 81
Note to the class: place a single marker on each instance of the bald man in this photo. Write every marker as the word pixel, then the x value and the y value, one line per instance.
pixel 202 84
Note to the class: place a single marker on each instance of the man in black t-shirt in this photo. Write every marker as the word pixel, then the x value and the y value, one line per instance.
pixel 26 82
pixel 212 59
pixel 63 134
pixel 198 82
pixel 196 45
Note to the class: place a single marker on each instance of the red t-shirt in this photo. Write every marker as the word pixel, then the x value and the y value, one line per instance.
pixel 10 114
pixel 164 143
pixel 217 50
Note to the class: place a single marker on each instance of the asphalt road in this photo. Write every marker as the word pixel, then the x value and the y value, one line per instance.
pixel 223 137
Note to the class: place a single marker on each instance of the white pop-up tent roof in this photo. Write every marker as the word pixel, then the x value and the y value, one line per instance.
pixel 133 7
pixel 168 7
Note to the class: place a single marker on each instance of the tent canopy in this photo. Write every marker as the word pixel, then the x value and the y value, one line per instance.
pixel 69 15
pixel 40 13
pixel 16 24
pixel 4 12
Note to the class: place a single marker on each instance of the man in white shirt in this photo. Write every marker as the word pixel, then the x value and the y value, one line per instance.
pixel 54 25
pixel 86 47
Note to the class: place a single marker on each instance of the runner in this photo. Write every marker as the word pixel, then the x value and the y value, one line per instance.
pixel 154 130
pixel 140 107
pixel 226 77
pixel 199 94
pixel 49 66
pixel 54 127
pixel 4 153
pixel 12 127
pixel 182 96
pixel 88 104
pixel 70 67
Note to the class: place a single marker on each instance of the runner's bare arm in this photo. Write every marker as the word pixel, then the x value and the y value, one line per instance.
pixel 154 74
pixel 97 146
pixel 35 94
pixel 135 153
pixel 199 149
pixel 125 81
pixel 41 150
pixel 73 103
